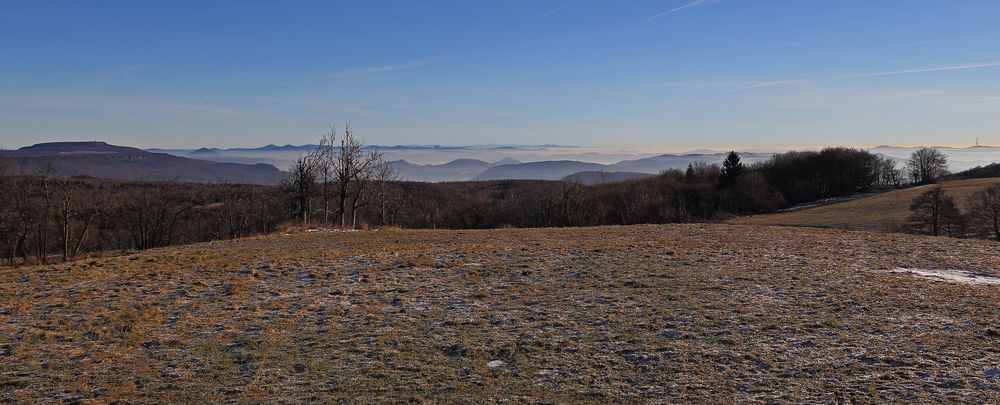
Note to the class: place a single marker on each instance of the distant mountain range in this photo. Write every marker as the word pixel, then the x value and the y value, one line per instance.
pixel 509 169
pixel 312 147
pixel 99 159
pixel 455 170
pixel 491 162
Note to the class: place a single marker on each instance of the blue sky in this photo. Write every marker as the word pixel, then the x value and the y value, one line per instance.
pixel 672 73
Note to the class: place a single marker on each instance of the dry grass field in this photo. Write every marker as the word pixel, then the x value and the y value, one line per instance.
pixel 686 313
pixel 885 212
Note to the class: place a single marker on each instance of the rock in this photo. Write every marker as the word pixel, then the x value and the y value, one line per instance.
pixel 495 364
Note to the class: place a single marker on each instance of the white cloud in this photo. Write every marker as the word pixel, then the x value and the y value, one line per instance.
pixel 555 10
pixel 389 68
pixel 930 69
pixel 693 4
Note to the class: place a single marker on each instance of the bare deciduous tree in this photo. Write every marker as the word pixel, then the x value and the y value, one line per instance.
pixel 299 186
pixel 926 165
pixel 71 211
pixel 241 209
pixel 935 212
pixel 985 209
pixel 152 215
pixel 390 197
pixel 324 156
pixel 7 218
pixel 887 175
pixel 353 172
pixel 36 214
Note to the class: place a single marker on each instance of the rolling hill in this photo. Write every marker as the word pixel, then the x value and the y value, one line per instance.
pixel 463 163
pixel 99 159
pixel 547 170
pixel 558 169
pixel 662 314
pixel 886 212
pixel 594 178
pixel 455 170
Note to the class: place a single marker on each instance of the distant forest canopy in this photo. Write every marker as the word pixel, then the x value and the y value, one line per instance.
pixel 342 184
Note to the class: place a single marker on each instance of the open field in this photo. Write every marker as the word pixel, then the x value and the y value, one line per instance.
pixel 709 313
pixel 885 212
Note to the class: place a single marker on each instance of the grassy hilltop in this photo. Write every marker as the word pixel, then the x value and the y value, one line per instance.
pixel 884 212
pixel 714 313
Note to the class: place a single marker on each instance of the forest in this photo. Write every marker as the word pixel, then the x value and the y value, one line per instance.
pixel 342 185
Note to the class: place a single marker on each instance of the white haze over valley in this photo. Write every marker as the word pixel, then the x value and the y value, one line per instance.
pixel 451 163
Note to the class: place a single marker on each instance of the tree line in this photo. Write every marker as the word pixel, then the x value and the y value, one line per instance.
pixel 45 218
pixel 342 184
pixel 937 213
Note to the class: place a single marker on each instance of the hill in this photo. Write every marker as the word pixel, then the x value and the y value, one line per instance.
pixel 99 159
pixel 673 314
pixel 547 170
pixel 592 178
pixel 558 169
pixel 657 164
pixel 205 152
pixel 978 172
pixel 880 212
pixel 455 170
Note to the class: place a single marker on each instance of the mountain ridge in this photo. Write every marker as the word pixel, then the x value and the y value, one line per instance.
pixel 103 160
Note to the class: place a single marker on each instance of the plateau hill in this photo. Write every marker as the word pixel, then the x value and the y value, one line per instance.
pixel 102 160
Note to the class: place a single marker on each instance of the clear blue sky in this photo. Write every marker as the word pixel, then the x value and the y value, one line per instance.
pixel 604 73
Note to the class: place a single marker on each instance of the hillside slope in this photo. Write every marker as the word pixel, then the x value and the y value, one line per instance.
pixel 885 212
pixel 99 159
pixel 672 314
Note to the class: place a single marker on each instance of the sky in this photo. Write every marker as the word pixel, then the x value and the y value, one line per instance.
pixel 665 73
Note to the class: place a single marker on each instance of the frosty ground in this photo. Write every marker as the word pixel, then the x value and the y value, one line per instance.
pixel 672 313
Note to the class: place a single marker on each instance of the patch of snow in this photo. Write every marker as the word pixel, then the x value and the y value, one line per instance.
pixel 495 364
pixel 954 276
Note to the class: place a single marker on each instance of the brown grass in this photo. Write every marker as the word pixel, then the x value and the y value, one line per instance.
pixel 674 314
pixel 885 212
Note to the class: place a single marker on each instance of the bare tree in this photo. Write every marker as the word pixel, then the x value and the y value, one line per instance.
pixel 985 209
pixel 347 162
pixel 300 186
pixel 562 205
pixel 152 215
pixel 96 210
pixel 325 158
pixel 7 218
pixel 935 212
pixel 371 172
pixel 71 210
pixel 241 209
pixel 354 170
pixel 38 213
pixel 926 165
pixel 5 168
pixel 887 175
pixel 387 193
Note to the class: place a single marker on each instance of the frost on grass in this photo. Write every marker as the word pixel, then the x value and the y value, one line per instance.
pixel 663 314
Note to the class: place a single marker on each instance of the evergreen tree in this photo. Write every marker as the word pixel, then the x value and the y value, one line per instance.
pixel 732 168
